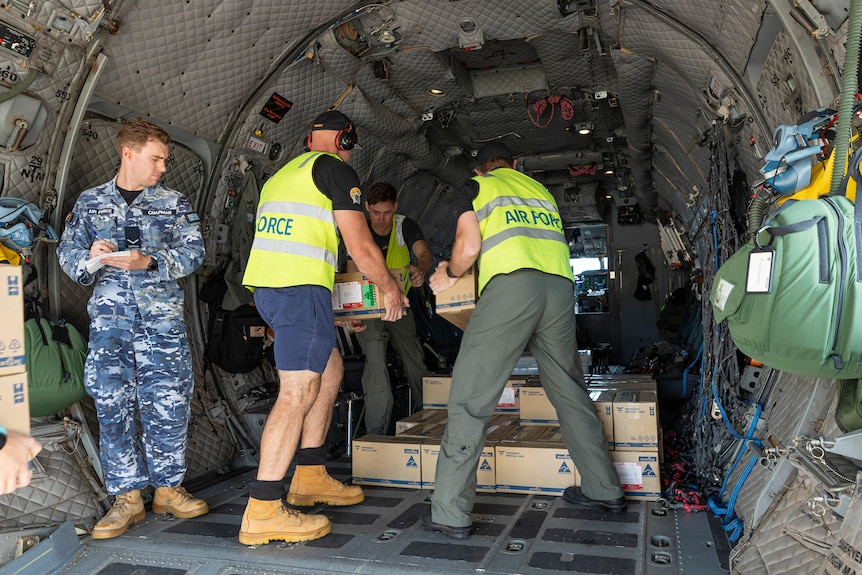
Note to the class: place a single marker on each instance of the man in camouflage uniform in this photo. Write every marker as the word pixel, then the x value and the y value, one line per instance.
pixel 138 351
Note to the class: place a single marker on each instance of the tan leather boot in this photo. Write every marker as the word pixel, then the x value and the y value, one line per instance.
pixel 312 484
pixel 265 521
pixel 128 509
pixel 178 502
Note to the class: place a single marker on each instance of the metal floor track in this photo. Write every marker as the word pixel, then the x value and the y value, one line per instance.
pixel 524 534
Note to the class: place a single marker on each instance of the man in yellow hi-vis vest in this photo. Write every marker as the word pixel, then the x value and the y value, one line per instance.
pixel 511 223
pixel 291 269
pixel 397 236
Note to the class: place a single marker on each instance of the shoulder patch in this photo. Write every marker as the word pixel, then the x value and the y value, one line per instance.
pixel 356 195
pixel 193 217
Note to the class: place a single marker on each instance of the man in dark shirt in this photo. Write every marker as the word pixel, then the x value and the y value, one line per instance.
pixel 398 237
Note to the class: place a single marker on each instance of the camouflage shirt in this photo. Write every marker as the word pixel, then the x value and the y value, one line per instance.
pixel 162 224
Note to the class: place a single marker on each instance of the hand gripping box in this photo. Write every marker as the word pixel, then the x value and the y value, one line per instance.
pixel 355 297
pixel 457 303
pixel 12 326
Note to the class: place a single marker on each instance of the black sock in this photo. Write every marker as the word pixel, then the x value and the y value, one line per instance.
pixel 310 456
pixel 266 490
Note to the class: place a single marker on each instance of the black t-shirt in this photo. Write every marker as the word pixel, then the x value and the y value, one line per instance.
pixel 462 199
pixel 409 229
pixel 338 182
pixel 129 195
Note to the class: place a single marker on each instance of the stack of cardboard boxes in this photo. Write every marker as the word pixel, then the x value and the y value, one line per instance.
pixel 524 451
pixel 14 399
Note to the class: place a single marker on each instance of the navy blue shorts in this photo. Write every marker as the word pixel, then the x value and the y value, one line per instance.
pixel 301 318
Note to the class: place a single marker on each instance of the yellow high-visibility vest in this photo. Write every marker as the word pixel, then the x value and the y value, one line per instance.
pixel 520 225
pixel 398 252
pixel 295 241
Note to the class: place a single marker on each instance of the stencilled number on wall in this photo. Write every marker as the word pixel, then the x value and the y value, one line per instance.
pixel 9 74
pixel 89 134
pixel 34 171
pixel 63 96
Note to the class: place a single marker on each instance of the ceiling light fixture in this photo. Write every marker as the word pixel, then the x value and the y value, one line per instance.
pixel 609 171
pixel 585 129
pixel 436 92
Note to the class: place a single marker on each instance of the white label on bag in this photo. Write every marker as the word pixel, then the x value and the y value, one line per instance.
pixel 759 279
pixel 722 292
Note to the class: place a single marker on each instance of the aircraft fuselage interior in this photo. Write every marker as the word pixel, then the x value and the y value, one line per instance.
pixel 702 161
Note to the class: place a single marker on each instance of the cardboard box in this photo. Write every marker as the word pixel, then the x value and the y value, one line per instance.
pixel 639 474
pixel 15 402
pixel 536 409
pixel 604 402
pixel 457 303
pixel 542 465
pixel 430 430
pixel 12 326
pixel 486 476
pixel 435 393
pixel 355 297
pixel 636 421
pixel 386 460
pixel 420 417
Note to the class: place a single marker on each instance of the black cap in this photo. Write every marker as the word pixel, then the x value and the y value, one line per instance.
pixel 332 120
pixel 493 150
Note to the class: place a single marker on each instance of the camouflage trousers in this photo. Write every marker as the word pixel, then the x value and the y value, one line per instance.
pixel 147 370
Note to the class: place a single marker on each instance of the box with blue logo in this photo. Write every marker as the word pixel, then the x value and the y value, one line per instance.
pixel 635 421
pixel 639 473
pixel 12 326
pixel 533 459
pixel 15 403
pixel 390 461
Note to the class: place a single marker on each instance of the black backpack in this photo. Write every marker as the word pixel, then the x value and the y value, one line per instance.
pixel 235 338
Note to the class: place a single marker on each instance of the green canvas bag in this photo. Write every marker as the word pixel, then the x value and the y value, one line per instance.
pixel 55 352
pixel 792 295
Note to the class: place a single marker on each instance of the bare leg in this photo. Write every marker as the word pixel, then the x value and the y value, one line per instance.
pixel 320 415
pixel 297 394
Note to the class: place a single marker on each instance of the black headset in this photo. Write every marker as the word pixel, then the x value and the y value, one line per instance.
pixel 345 139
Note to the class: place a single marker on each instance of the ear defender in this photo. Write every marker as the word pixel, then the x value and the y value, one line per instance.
pixel 307 146
pixel 346 139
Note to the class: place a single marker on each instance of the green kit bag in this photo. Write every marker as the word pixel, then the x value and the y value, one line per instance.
pixel 792 295
pixel 55 353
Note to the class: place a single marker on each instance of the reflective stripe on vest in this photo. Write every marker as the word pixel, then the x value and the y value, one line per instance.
pixel 520 225
pixel 295 241
pixel 398 252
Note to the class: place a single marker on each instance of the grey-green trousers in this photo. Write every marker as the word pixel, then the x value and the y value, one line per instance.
pixel 525 309
pixel 376 388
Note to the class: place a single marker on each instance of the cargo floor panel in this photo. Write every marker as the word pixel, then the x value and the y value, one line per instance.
pixel 525 534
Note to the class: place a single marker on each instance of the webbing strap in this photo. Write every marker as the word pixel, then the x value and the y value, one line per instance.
pixel 853 172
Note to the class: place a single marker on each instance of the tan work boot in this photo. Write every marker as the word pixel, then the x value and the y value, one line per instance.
pixel 178 502
pixel 128 509
pixel 265 521
pixel 312 484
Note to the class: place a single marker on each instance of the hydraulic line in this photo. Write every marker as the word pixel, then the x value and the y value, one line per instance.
pixel 755 214
pixel 848 91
